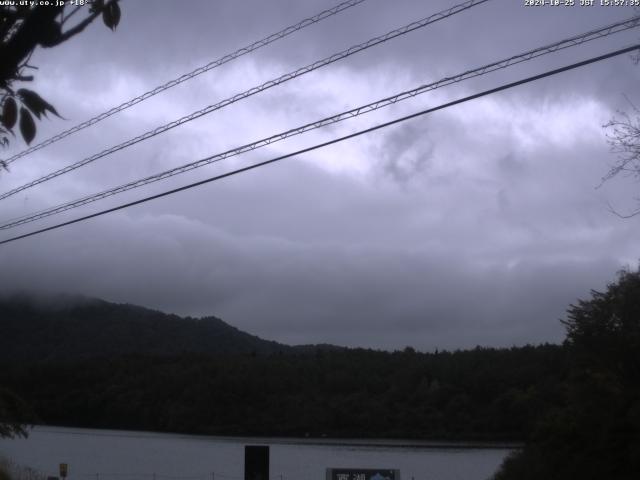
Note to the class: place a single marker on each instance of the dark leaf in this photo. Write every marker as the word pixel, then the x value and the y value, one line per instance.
pixel 9 113
pixel 111 15
pixel 116 14
pixel 49 34
pixel 36 103
pixel 4 132
pixel 27 125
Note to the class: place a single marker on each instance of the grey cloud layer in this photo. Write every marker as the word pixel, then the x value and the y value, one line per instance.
pixel 476 225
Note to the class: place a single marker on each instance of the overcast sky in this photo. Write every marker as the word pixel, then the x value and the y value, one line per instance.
pixel 478 224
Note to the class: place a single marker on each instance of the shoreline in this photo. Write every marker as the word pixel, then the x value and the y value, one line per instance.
pixel 300 441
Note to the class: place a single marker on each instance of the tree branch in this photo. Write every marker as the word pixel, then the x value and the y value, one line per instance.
pixel 28 36
pixel 38 28
pixel 73 12
pixel 620 215
pixel 77 29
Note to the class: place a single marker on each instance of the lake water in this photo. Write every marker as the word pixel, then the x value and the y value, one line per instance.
pixel 118 455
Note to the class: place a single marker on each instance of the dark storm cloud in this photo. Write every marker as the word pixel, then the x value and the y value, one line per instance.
pixel 322 268
pixel 303 290
pixel 478 224
pixel 406 152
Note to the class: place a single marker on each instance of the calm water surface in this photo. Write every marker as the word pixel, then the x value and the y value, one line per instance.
pixel 117 455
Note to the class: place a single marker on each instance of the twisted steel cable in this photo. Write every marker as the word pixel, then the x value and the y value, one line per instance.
pixel 252 91
pixel 188 76
pixel 354 112
pixel 633 48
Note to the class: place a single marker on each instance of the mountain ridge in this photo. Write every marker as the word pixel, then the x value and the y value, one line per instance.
pixel 71 327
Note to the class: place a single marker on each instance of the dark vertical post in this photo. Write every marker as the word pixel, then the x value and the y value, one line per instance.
pixel 256 462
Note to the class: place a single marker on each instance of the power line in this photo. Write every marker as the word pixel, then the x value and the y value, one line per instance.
pixel 188 76
pixel 354 112
pixel 331 142
pixel 252 91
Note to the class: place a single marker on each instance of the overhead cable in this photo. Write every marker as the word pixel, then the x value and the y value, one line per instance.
pixel 354 112
pixel 330 142
pixel 188 76
pixel 252 91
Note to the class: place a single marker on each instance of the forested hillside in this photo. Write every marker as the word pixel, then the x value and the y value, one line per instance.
pixel 479 394
pixel 91 363
pixel 95 364
pixel 67 328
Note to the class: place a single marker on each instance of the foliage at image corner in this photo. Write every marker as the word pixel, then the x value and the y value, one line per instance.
pixel 595 434
pixel 5 469
pixel 15 415
pixel 23 28
pixel 4 474
pixel 11 471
